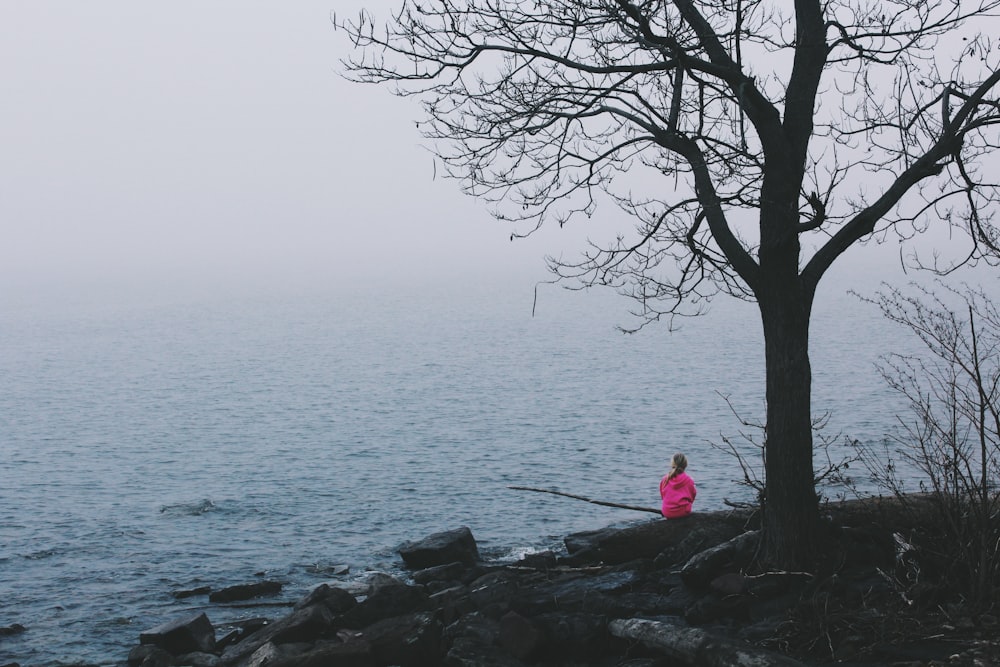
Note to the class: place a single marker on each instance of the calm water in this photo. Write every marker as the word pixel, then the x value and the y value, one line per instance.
pixel 148 446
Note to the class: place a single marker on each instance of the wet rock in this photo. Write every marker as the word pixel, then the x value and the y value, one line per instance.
pixel 191 592
pixel 542 560
pixel 246 591
pixel 270 653
pixel 387 599
pixel 158 657
pixel 336 600
pixel 139 653
pixel 441 548
pixel 308 624
pixel 184 635
pixel 491 593
pixel 10 630
pixel 449 572
pixel 452 603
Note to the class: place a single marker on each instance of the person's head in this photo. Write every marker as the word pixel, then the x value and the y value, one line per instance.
pixel 678 463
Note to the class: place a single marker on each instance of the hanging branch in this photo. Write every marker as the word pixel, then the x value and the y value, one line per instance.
pixel 589 500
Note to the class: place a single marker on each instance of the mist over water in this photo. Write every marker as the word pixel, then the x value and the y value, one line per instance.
pixel 153 445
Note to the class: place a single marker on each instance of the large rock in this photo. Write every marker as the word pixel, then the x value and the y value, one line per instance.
pixel 413 640
pixel 306 624
pixel 246 591
pixel 519 636
pixel 703 567
pixel 388 598
pixel 356 652
pixel 440 549
pixel 184 635
pixel 334 599
pixel 651 538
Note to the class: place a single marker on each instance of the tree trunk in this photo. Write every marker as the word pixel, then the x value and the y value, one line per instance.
pixel 791 508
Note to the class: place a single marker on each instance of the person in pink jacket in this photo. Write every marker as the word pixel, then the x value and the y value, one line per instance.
pixel 677 489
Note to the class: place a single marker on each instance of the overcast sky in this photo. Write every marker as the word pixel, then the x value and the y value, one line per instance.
pixel 214 141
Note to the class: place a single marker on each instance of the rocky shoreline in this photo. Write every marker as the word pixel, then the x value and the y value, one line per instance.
pixel 654 594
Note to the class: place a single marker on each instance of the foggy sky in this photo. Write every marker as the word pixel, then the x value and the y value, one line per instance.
pixel 203 142
pixel 215 141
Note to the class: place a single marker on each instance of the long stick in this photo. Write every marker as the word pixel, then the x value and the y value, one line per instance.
pixel 589 500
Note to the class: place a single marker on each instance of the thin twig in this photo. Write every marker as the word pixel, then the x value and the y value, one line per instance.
pixel 589 500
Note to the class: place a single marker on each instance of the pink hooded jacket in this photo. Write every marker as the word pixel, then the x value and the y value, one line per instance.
pixel 678 495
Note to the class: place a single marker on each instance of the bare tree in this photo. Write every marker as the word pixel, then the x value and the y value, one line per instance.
pixel 953 438
pixel 751 142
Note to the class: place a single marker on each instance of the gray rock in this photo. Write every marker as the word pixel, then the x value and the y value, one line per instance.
pixel 441 548
pixel 519 636
pixel 306 624
pixel 246 591
pixel 387 599
pixel 11 630
pixel 473 652
pixel 411 640
pixel 336 600
pixel 356 652
pixel 184 635
pixel 198 660
pixel 451 572
pixel 707 565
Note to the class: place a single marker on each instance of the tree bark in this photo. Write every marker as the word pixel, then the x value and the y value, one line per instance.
pixel 790 504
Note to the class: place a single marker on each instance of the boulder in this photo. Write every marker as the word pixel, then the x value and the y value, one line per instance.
pixel 519 636
pixel 410 640
pixel 491 593
pixel 307 624
pixel 184 635
pixel 474 652
pixel 355 652
pixel 336 600
pixel 483 629
pixel 387 599
pixel 576 636
pixel 10 630
pixel 246 591
pixel 452 603
pixel 705 566
pixel 270 653
pixel 571 592
pixel 198 660
pixel 651 538
pixel 191 592
pixel 450 572
pixel 440 549
pixel 159 658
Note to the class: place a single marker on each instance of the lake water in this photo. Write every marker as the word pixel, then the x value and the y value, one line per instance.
pixel 149 445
